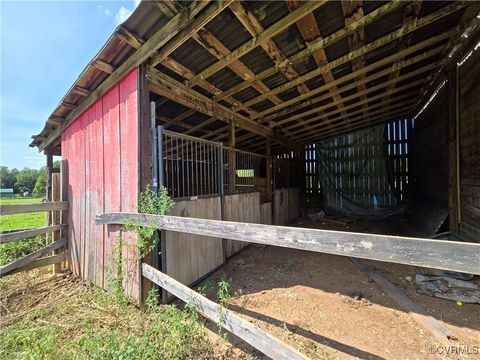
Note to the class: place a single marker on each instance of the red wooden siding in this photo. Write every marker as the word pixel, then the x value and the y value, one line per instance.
pixel 101 150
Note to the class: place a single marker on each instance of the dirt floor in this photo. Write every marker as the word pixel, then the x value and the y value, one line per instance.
pixel 326 307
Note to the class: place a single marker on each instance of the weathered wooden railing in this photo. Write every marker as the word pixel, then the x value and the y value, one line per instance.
pixel 35 259
pixel 440 254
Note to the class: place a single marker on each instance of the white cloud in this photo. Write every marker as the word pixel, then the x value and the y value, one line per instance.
pixel 103 9
pixel 122 14
pixel 136 3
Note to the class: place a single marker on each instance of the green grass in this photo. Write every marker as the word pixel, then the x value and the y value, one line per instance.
pixel 12 251
pixel 88 323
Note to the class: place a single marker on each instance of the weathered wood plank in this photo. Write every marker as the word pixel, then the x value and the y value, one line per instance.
pixel 27 234
pixel 227 319
pixel 49 260
pixel 28 208
pixel 439 254
pixel 5 270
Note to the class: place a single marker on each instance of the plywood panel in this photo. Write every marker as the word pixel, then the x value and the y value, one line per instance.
pixel 188 257
pixel 286 205
pixel 101 152
pixel 241 208
pixel 266 213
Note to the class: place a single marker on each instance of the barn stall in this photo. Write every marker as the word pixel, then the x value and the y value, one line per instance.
pixel 264 112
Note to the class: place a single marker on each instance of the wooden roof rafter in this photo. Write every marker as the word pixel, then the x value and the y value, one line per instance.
pixel 343 81
pixel 273 30
pixel 310 32
pixel 316 45
pixel 255 28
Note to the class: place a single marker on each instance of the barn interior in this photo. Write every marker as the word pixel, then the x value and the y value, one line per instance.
pixel 358 116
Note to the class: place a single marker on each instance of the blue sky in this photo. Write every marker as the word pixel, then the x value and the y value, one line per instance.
pixel 44 47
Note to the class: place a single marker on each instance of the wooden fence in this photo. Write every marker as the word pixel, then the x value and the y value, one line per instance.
pixel 36 259
pixel 447 255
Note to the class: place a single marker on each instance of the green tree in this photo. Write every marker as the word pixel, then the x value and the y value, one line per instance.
pixel 26 179
pixel 7 179
pixel 41 183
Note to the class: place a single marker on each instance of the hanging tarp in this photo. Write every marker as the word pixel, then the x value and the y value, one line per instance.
pixel 356 175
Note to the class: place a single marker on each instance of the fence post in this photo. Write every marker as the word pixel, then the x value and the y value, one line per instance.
pixel 64 197
pixel 55 215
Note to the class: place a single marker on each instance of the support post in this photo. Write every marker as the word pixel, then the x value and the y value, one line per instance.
pixel 146 170
pixel 269 168
pixel 231 159
pixel 48 190
pixel 453 148
pixel 64 197
pixel 55 216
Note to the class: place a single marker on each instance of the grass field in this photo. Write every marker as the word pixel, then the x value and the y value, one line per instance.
pixel 45 316
pixel 12 251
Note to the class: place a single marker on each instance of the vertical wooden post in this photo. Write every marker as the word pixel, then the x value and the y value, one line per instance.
pixel 453 138
pixel 269 168
pixel 64 197
pixel 55 215
pixel 48 190
pixel 231 159
pixel 146 162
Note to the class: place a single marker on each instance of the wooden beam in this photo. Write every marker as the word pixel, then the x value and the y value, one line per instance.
pixel 167 7
pixel 159 39
pixel 361 96
pixel 28 208
pixel 27 234
pixel 80 90
pixel 103 66
pixel 352 11
pixel 317 45
pixel 215 47
pixel 176 91
pixel 455 43
pixel 255 28
pixel 204 18
pixel 227 319
pixel 68 105
pixel 171 64
pixel 273 30
pixel 310 32
pixel 392 112
pixel 130 38
pixel 55 120
pixel 411 13
pixel 351 85
pixel 7 269
pixel 354 74
pixel 326 122
pixel 437 254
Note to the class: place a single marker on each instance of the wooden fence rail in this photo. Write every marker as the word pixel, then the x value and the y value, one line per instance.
pixel 25 260
pixel 252 334
pixel 27 234
pixel 439 254
pixel 34 260
pixel 28 208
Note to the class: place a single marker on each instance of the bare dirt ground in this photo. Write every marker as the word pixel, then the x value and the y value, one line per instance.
pixel 327 308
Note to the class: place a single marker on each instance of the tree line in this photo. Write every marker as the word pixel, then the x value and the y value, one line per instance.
pixel 31 180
